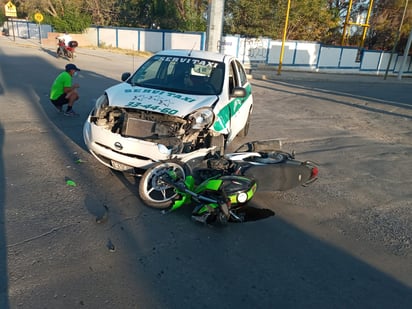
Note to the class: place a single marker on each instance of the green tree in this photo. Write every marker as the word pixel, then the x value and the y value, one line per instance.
pixel 70 18
pixel 133 13
pixel 312 20
pixel 148 14
pixel 251 18
pixel 385 23
pixel 103 12
pixel 184 15
pixel 193 14
pixel 308 19
pixel 2 18
pixel 63 15
pixel 164 15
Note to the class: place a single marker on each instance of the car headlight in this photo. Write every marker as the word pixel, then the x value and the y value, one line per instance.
pixel 101 104
pixel 202 118
pixel 163 149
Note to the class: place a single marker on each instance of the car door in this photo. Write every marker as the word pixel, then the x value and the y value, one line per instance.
pixel 240 106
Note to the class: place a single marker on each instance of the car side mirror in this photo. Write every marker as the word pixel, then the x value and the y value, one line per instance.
pixel 238 92
pixel 125 76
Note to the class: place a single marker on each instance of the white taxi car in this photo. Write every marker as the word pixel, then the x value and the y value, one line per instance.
pixel 178 103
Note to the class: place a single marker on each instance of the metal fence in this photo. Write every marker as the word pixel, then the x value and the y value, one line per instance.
pixel 26 30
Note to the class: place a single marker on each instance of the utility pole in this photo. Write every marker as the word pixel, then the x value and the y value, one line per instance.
pixel 405 55
pixel 285 29
pixel 214 25
pixel 365 27
pixel 347 19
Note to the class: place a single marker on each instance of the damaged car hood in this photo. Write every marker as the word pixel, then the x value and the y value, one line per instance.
pixel 156 100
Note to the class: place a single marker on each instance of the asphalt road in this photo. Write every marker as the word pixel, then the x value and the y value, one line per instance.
pixel 344 242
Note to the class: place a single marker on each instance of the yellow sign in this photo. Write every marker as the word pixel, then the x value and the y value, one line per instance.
pixel 38 17
pixel 10 10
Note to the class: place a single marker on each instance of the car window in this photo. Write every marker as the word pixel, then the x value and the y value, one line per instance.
pixel 181 74
pixel 242 73
pixel 233 77
pixel 147 72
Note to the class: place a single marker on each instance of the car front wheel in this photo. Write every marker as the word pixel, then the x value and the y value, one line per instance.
pixel 244 132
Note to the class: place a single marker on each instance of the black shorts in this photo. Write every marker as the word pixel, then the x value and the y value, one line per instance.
pixel 60 101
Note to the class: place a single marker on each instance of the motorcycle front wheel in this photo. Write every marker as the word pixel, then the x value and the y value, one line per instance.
pixel 153 191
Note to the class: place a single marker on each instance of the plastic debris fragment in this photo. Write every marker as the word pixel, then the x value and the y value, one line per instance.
pixel 70 183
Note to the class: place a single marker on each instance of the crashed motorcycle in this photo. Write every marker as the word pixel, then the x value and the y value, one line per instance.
pixel 220 186
pixel 66 51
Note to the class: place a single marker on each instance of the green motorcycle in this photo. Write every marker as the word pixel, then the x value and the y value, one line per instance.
pixel 220 186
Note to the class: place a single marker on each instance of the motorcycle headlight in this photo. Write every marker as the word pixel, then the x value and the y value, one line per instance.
pixel 202 118
pixel 241 197
pixel 101 104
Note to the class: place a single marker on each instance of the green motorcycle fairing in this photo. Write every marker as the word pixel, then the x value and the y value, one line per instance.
pixel 232 197
pixel 215 185
pixel 208 184
pixel 185 197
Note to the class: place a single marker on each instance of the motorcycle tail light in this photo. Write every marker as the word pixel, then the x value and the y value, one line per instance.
pixel 315 172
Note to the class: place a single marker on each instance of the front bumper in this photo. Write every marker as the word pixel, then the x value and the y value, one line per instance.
pixel 115 151
pixel 126 153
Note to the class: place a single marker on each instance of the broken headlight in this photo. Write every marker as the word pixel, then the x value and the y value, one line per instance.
pixel 202 118
pixel 101 104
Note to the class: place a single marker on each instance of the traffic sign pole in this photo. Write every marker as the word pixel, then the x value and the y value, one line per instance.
pixel 10 11
pixel 39 18
pixel 39 33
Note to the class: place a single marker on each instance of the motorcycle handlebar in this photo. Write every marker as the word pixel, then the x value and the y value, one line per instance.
pixel 180 186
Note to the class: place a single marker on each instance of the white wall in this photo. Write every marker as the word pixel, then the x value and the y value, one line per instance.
pixel 312 56
pixel 146 39
pixel 298 55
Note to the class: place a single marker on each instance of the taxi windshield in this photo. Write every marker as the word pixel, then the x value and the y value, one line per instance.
pixel 181 74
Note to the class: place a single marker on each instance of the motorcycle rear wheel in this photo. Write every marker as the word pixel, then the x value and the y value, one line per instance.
pixel 153 191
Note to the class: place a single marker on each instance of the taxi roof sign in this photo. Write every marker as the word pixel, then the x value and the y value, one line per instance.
pixel 10 10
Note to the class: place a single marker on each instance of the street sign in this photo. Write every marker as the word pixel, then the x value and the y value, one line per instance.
pixel 10 10
pixel 38 17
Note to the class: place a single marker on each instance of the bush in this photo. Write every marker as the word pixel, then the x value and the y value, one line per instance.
pixel 72 23
pixel 72 20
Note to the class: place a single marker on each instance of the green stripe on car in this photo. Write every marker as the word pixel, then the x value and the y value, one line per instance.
pixel 226 113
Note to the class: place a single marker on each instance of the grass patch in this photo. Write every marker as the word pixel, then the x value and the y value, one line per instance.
pixel 123 51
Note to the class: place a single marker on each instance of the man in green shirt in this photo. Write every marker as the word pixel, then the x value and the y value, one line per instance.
pixel 64 92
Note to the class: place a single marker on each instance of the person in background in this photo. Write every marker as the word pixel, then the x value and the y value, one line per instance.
pixel 66 38
pixel 63 91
